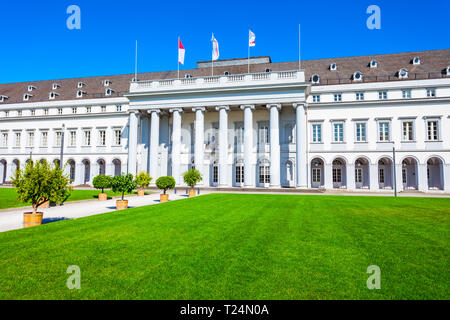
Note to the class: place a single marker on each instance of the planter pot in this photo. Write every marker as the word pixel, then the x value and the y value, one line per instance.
pixel 191 193
pixel 163 197
pixel 141 193
pixel 45 205
pixel 121 204
pixel 31 219
pixel 103 196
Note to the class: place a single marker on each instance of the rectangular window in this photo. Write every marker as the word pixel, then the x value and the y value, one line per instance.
pixel 30 141
pixel 74 110
pixel 404 176
pixel 118 107
pixel 382 95
pixel 338 132
pixel 406 94
pixel 407 131
pixel 17 140
pixel 337 97
pixel 33 112
pixel 5 140
pixel 316 98
pixel 264 134
pixel 360 132
pixel 88 109
pixel 45 111
pixel 103 108
pixel 87 138
pixel 432 130
pixel 337 175
pixel 383 131
pixel 60 110
pixel 316 174
pixel 44 139
pixel 431 93
pixel 360 96
pixel 215 174
pixel 239 174
pixel 102 137
pixel 117 137
pixel 264 174
pixel 358 175
pixel 19 113
pixel 73 138
pixel 381 175
pixel 239 133
pixel 317 133
pixel 6 113
pixel 58 138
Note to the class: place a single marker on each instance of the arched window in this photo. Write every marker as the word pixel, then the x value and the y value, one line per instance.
pixel 239 171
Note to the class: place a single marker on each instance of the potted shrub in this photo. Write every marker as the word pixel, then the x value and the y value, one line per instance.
pixel 165 183
pixel 124 183
pixel 102 182
pixel 191 178
pixel 38 183
pixel 142 181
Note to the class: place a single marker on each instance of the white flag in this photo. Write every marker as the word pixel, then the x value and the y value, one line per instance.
pixel 251 38
pixel 215 49
pixel 181 52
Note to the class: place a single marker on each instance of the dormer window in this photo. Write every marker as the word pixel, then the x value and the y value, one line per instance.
pixel 3 98
pixel 109 91
pixel 80 93
pixel 134 79
pixel 27 96
pixel 416 61
pixel 267 70
pixel 187 76
pixel 357 76
pixel 52 95
pixel 226 73
pixel 373 64
pixel 31 88
pixel 315 79
pixel 55 86
pixel 448 71
pixel 106 83
pixel 333 67
pixel 81 84
pixel 403 74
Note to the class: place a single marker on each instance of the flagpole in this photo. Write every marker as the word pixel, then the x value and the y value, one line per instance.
pixel 212 56
pixel 248 59
pixel 299 57
pixel 178 63
pixel 135 62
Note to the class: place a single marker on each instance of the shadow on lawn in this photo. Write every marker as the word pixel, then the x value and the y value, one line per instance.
pixel 49 220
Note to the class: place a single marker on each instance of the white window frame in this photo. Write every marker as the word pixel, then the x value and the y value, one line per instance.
pixel 87 138
pixel 333 131
pixel 58 139
pixel 337 97
pixel 359 96
pixel 263 133
pixel 102 137
pixel 4 139
pixel 239 176
pixel 316 98
pixel 431 92
pixel 382 95
pixel 362 138
pixel 411 134
pixel 436 128
pixel 381 134
pixel 17 139
pixel 44 139
pixel 60 111
pixel 72 138
pixel 117 137
pixel 316 132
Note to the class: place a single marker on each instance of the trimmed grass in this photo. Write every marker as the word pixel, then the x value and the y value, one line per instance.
pixel 8 197
pixel 238 246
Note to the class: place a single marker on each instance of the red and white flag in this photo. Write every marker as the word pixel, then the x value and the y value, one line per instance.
pixel 181 52
pixel 251 38
pixel 215 49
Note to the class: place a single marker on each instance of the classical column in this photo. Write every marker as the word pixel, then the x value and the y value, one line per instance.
pixel 300 143
pixel 154 143
pixel 132 141
pixel 223 144
pixel 373 177
pixel 176 143
pixel 248 144
pixel 199 139
pixel 274 145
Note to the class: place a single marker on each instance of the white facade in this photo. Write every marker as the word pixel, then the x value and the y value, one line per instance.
pixel 272 129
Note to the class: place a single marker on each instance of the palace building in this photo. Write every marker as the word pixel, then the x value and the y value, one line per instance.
pixel 333 123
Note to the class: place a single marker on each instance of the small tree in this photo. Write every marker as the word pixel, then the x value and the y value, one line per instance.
pixel 102 182
pixel 124 183
pixel 40 182
pixel 142 180
pixel 165 183
pixel 192 177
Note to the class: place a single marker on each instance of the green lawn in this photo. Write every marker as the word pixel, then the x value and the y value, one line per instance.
pixel 8 197
pixel 238 246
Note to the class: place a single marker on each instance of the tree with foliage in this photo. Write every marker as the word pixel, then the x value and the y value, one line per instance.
pixel 165 183
pixel 123 183
pixel 192 177
pixel 142 180
pixel 40 182
pixel 102 182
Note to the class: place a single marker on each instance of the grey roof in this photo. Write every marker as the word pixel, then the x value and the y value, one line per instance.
pixel 432 66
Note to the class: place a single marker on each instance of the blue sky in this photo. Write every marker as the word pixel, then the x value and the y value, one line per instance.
pixel 35 43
